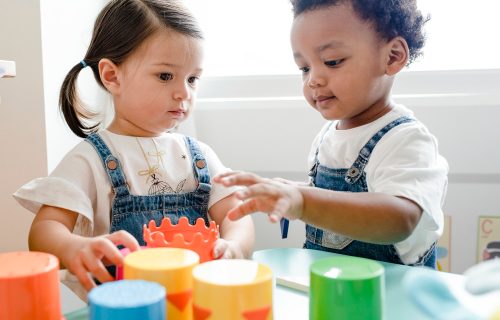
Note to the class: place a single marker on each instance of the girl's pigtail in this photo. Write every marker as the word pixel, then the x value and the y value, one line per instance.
pixel 75 113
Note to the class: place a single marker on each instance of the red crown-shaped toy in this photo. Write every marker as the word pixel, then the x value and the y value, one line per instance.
pixel 197 237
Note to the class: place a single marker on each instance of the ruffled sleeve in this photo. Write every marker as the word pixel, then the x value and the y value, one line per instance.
pixel 73 185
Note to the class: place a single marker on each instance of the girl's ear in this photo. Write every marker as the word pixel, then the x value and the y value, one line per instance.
pixel 398 55
pixel 108 71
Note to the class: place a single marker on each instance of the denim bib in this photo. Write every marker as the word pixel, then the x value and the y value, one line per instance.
pixel 353 179
pixel 130 212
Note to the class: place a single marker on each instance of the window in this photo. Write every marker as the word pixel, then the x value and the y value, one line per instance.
pixel 252 37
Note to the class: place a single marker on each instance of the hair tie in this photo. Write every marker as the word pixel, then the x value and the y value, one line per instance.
pixel 83 63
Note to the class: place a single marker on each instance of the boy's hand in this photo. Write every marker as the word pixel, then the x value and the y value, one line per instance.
pixel 86 258
pixel 225 249
pixel 277 199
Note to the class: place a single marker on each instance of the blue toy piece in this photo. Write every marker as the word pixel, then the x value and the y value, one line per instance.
pixel 128 300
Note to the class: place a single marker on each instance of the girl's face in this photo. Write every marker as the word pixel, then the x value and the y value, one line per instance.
pixel 343 62
pixel 157 84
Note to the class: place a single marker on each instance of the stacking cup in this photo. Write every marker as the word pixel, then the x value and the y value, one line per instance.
pixel 172 268
pixel 346 287
pixel 127 300
pixel 29 286
pixel 233 290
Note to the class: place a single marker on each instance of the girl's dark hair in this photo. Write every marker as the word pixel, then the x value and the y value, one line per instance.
pixel 121 27
pixel 391 18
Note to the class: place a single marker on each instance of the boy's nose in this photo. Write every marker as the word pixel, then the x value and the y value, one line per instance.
pixel 316 81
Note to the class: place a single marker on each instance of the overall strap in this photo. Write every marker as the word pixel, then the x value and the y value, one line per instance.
pixel 200 166
pixel 111 165
pixel 356 170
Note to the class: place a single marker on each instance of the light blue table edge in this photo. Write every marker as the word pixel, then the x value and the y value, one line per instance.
pixel 397 301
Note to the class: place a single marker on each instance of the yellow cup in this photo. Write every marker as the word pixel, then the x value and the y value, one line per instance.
pixel 232 290
pixel 172 268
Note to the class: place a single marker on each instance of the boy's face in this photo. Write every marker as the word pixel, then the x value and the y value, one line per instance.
pixel 157 84
pixel 343 63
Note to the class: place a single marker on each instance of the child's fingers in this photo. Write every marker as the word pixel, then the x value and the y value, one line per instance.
pixel 263 190
pixel 124 238
pixel 97 269
pixel 240 179
pixel 239 212
pixel 285 181
pixel 281 208
pixel 83 276
pixel 105 248
pixel 219 176
pixel 220 248
pixel 273 217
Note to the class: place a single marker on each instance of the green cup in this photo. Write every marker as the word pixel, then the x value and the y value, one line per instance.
pixel 346 287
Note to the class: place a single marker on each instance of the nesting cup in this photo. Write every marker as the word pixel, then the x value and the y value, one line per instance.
pixel 232 290
pixel 170 267
pixel 127 300
pixel 29 286
pixel 345 287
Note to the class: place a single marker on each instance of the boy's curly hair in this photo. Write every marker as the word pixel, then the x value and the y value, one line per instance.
pixel 391 18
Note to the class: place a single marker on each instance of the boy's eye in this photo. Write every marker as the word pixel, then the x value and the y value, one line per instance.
pixel 333 63
pixel 304 69
pixel 165 76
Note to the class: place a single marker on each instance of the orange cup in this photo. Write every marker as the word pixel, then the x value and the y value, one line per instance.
pixel 29 286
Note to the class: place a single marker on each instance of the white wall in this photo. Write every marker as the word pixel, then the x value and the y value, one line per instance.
pixel 262 124
pixel 22 124
pixel 53 34
pixel 66 32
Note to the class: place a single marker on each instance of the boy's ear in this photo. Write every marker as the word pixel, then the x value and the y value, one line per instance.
pixel 398 55
pixel 108 71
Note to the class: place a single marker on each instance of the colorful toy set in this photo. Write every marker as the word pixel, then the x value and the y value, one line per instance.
pixel 220 289
pixel 173 278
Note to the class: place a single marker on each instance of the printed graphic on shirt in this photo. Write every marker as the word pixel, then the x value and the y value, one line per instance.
pixel 153 173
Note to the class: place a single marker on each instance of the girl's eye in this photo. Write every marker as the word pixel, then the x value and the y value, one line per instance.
pixel 193 80
pixel 334 63
pixel 165 76
pixel 304 69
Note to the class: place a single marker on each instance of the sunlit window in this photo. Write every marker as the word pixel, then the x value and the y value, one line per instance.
pixel 252 37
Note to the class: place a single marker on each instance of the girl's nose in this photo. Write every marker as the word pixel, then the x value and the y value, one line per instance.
pixel 182 92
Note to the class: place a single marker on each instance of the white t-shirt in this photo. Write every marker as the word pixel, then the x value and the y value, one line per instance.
pixel 405 163
pixel 80 184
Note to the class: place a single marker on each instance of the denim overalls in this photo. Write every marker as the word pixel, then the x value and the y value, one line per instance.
pixel 130 212
pixel 353 179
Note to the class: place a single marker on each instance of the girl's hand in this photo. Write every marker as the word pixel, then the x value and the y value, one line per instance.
pixel 225 249
pixel 86 258
pixel 271 196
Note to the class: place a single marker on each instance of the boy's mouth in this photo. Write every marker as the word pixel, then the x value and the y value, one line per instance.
pixel 323 100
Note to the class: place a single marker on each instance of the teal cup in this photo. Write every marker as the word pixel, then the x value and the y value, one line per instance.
pixel 345 287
